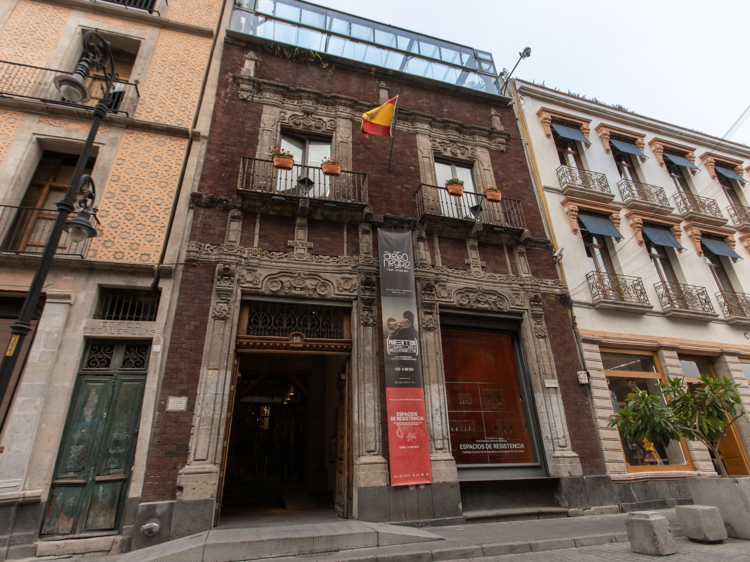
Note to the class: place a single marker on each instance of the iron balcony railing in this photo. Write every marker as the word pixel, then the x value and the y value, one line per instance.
pixel 435 201
pixel 689 203
pixel 608 287
pixel 739 215
pixel 25 230
pixel 147 5
pixel 637 191
pixel 734 304
pixel 301 181
pixel 129 305
pixel 674 296
pixel 33 82
pixel 575 177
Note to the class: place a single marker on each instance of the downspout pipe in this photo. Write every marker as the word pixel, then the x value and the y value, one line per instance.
pixel 188 149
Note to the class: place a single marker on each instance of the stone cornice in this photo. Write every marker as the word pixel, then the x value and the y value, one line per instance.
pixel 606 131
pixel 8 261
pixel 124 13
pixel 116 120
pixel 631 120
pixel 323 104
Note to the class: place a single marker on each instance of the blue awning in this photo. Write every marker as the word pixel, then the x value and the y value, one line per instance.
pixel 628 147
pixel 681 161
pixel 662 237
pixel 729 173
pixel 600 225
pixel 719 247
pixel 570 133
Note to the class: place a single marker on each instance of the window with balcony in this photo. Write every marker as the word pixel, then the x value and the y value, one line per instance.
pixel 567 152
pixel 457 207
pixel 717 269
pixel 727 184
pixel 662 263
pixel 625 164
pixel 596 251
pixel 677 174
pixel 306 176
pixel 626 373
pixel 25 229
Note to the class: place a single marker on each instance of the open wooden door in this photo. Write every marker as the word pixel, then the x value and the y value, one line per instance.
pixel 733 453
pixel 343 495
pixel 225 443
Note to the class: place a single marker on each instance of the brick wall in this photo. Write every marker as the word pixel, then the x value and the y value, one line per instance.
pixel 170 437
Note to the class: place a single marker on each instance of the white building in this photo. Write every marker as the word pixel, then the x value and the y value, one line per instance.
pixel 652 225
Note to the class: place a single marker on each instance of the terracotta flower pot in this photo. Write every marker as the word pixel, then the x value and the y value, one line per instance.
pixel 331 169
pixel 455 189
pixel 493 195
pixel 283 163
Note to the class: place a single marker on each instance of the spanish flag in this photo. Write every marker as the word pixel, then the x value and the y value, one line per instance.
pixel 379 121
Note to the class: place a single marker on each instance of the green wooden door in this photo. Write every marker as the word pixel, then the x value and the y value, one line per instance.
pixel 94 464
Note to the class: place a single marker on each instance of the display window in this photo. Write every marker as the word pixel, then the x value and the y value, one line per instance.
pixel 625 373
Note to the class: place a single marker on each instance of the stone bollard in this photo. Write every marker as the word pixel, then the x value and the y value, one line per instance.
pixel 649 533
pixel 701 523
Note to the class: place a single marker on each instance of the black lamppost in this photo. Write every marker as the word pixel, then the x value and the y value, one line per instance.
pixel 96 54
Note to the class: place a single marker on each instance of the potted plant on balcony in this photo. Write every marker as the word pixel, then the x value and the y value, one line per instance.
pixel 330 166
pixel 492 193
pixel 455 187
pixel 282 159
pixel 703 413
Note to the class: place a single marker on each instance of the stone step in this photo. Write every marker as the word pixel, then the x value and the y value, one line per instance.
pixel 234 545
pixel 516 514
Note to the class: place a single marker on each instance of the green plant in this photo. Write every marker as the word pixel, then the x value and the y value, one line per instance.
pixel 454 181
pixel 491 188
pixel 703 413
pixel 278 152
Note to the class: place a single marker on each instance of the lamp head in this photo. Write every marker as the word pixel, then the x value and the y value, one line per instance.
pixel 526 53
pixel 80 227
pixel 71 86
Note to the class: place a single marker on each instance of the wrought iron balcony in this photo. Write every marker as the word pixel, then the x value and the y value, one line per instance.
pixel 740 216
pixel 676 297
pixel 34 82
pixel 617 291
pixel 643 196
pixel 25 230
pixel 699 208
pixel 584 183
pixel 435 201
pixel 735 306
pixel 258 175
pixel 147 5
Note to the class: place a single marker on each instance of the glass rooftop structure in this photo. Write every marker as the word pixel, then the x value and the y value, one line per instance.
pixel 307 26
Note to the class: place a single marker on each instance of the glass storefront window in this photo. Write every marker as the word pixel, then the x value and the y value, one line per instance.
pixel 486 412
pixel 626 373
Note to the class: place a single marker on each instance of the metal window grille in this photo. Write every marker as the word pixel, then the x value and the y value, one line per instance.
pixel 272 319
pixel 127 304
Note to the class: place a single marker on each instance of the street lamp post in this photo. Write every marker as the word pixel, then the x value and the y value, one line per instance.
pixel 96 54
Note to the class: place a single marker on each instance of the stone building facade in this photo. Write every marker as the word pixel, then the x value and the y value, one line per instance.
pixel 267 250
pixel 656 266
pixel 101 334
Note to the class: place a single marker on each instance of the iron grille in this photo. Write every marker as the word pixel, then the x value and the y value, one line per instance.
pixel 616 288
pixel 434 200
pixel 127 304
pixel 637 191
pixel 25 230
pixel 687 297
pixel 687 203
pixel 280 320
pixel 575 177
pixel 147 5
pixel 740 215
pixel 734 304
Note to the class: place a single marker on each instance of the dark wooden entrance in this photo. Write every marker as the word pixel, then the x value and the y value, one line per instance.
pixel 94 464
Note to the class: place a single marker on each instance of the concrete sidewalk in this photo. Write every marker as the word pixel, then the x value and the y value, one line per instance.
pixel 573 538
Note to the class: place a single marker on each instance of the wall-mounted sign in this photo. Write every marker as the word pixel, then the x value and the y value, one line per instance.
pixel 177 404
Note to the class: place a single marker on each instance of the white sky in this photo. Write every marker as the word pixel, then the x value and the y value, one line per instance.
pixel 684 62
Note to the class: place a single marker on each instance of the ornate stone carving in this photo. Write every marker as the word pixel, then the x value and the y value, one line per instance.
pixel 453 149
pixel 658 145
pixel 428 296
pixel 298 285
pixel 604 135
pixel 480 299
pixel 496 120
pixel 367 297
pixel 226 273
pixel 537 315
pixel 474 262
pixel 249 278
pixel 637 224
pixel 695 235
pixel 676 231
pixel 615 218
pixel 307 122
pixel 347 285
pixel 221 310
pixel 572 212
pixel 546 115
pixel 710 164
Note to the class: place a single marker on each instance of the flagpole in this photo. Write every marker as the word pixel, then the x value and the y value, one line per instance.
pixel 393 130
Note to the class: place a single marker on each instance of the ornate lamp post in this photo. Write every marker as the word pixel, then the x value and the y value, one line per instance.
pixel 96 54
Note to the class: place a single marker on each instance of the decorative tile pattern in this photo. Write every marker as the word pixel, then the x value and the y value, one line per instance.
pixel 115 21
pixel 203 13
pixel 31 32
pixel 135 203
pixel 73 125
pixel 10 121
pixel 174 77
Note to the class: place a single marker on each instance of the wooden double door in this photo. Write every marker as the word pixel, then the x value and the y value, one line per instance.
pixel 95 460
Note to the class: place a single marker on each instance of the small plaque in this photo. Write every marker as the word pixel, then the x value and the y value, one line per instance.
pixel 551 383
pixel 177 404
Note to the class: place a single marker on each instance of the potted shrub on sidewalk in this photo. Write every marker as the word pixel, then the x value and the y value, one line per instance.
pixel 282 159
pixel 703 413
pixel 330 166
pixel 455 187
pixel 492 193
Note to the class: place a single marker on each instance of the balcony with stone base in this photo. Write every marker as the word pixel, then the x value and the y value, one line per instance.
pixel 584 184
pixel 685 301
pixel 735 306
pixel 618 292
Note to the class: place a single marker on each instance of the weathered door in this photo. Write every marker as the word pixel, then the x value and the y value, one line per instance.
pixel 94 464
pixel 227 434
pixel 343 447
pixel 733 453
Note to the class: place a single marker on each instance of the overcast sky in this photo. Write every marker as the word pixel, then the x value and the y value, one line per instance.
pixel 685 62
